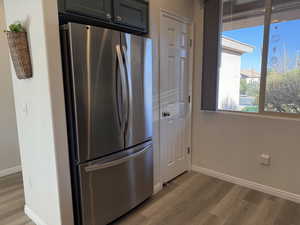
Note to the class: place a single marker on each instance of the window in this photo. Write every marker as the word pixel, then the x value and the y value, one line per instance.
pixel 256 67
pixel 283 73
pixel 241 54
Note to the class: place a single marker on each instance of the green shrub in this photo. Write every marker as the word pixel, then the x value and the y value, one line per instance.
pixel 250 109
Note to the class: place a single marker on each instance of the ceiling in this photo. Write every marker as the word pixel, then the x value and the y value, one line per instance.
pixel 248 13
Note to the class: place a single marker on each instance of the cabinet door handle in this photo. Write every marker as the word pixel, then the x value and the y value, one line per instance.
pixel 108 16
pixel 119 18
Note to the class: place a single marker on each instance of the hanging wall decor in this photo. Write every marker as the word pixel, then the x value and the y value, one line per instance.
pixel 19 50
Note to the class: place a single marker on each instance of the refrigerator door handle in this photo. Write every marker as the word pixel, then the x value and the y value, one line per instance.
pixel 128 84
pixel 117 162
pixel 118 87
pixel 124 84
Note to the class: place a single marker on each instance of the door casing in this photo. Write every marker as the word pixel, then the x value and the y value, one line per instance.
pixel 181 19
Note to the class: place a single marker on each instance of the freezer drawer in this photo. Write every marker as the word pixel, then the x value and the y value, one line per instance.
pixel 113 186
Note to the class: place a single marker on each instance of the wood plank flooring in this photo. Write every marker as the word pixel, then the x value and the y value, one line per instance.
pixel 191 199
pixel 195 199
pixel 12 201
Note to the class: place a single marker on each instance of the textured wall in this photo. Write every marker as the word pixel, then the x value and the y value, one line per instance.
pixel 232 143
pixel 9 149
pixel 41 116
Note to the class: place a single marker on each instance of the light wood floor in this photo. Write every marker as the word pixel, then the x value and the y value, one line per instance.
pixel 12 201
pixel 191 199
pixel 195 199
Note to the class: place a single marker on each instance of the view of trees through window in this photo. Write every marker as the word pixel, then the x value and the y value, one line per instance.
pixel 283 77
pixel 241 57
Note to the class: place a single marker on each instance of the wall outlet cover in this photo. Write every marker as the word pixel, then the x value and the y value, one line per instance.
pixel 265 159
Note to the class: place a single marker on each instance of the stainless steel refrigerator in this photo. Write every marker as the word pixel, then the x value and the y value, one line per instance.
pixel 108 92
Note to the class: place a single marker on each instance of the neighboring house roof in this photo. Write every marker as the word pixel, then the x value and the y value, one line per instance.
pixel 250 74
pixel 236 46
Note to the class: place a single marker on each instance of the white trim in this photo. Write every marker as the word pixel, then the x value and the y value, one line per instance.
pixel 249 184
pixel 254 115
pixel 236 46
pixel 10 171
pixel 190 23
pixel 191 79
pixel 175 16
pixel 157 188
pixel 33 216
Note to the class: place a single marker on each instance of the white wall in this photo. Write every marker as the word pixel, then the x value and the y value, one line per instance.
pixel 231 143
pixel 41 116
pixel 9 149
pixel 229 79
pixel 182 8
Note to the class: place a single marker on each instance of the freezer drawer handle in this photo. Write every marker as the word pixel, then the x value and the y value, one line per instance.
pixel 116 162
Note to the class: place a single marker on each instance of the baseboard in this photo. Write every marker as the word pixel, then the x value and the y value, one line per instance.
pixel 157 188
pixel 10 171
pixel 249 184
pixel 33 216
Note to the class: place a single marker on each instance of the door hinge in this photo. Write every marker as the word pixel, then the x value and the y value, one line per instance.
pixel 188 150
pixel 191 43
pixel 189 99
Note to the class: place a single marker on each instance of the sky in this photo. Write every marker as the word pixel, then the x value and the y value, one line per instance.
pixel 251 36
pixel 284 36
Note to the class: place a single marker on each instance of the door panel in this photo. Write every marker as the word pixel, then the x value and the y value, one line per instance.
pixel 174 94
pixel 101 9
pixel 113 186
pixel 132 13
pixel 138 60
pixel 97 92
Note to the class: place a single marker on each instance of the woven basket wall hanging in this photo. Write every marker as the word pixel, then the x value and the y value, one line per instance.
pixel 20 55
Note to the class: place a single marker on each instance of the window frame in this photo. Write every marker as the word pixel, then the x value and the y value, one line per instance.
pixel 209 102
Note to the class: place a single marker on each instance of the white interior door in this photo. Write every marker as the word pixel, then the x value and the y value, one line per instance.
pixel 174 97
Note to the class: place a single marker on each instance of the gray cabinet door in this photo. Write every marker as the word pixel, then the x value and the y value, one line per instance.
pixel 96 88
pixel 133 13
pixel 100 9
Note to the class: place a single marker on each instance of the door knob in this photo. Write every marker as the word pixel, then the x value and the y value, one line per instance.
pixel 119 18
pixel 166 114
pixel 108 16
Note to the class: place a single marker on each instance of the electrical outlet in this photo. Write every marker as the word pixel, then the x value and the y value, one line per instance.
pixel 25 109
pixel 265 159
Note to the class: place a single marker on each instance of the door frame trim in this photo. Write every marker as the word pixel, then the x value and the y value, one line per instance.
pixel 190 23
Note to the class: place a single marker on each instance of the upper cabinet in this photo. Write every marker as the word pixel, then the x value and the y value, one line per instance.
pixel 126 15
pixel 131 13
pixel 100 9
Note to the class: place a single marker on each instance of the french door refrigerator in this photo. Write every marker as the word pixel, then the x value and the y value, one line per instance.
pixel 108 92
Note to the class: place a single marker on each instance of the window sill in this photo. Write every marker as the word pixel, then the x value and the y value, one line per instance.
pixel 266 115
